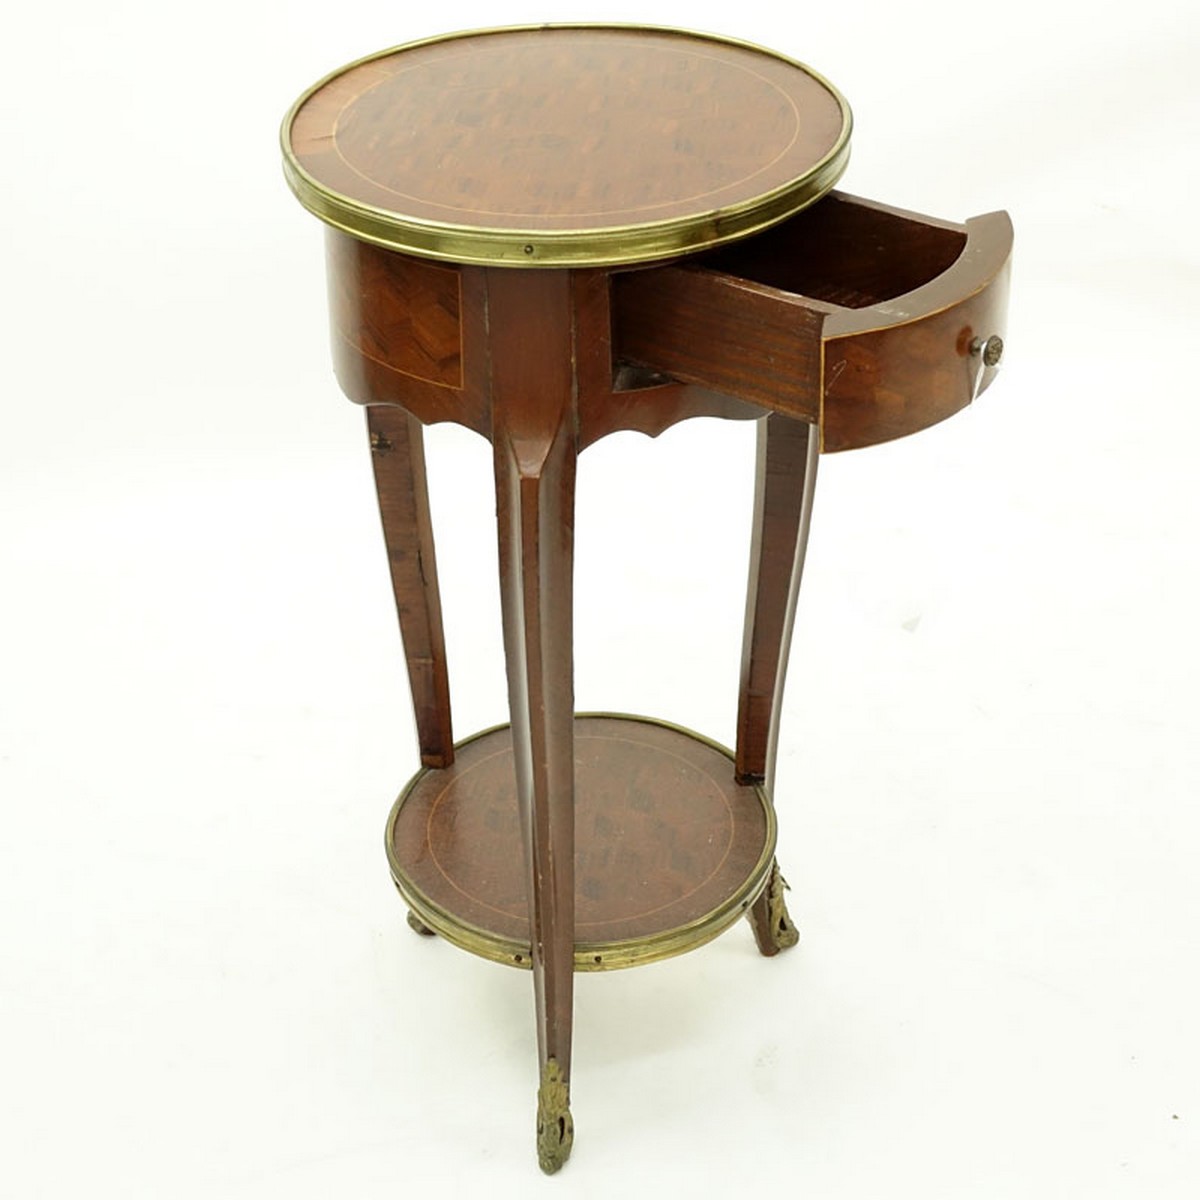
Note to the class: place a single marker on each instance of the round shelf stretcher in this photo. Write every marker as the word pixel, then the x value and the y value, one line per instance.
pixel 669 851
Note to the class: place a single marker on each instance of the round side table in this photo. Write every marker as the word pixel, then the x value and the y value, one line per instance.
pixel 548 234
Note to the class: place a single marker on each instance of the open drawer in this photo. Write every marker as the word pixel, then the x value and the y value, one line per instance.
pixel 871 321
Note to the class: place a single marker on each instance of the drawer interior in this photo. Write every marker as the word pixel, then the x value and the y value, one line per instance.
pixel 843 251
pixel 851 314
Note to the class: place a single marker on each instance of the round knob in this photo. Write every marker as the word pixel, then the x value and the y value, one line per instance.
pixel 990 351
pixel 987 354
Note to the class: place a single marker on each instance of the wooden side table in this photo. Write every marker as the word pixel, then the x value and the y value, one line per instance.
pixel 546 235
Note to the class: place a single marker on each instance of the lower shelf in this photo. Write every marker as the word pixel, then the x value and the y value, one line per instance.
pixel 669 849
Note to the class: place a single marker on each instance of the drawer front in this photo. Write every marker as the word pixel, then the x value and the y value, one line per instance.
pixel 756 344
pixel 864 318
pixel 898 367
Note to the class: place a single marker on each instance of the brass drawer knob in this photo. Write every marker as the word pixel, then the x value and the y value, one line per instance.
pixel 989 354
pixel 992 350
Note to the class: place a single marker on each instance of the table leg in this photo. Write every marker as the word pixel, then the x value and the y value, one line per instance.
pixel 786 478
pixel 530 335
pixel 398 458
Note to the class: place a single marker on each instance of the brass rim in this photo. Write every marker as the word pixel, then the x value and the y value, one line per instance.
pixel 612 246
pixel 589 956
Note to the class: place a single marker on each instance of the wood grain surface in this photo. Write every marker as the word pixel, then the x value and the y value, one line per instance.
pixel 785 480
pixel 398 460
pixel 663 833
pixel 718 330
pixel 845 251
pixel 852 314
pixel 848 323
pixel 532 343
pixel 565 128
pixel 901 365
pixel 408 332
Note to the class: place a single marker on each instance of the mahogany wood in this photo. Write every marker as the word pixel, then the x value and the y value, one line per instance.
pixel 568 129
pixel 398 459
pixel 532 342
pixel 759 345
pixel 409 332
pixel 413 333
pixel 664 835
pixel 404 313
pixel 652 409
pixel 785 480
pixel 853 314
pixel 905 364
pixel 849 323
pixel 614 395
pixel 891 302
pixel 846 251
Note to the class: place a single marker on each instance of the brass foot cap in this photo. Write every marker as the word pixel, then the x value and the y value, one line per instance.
pixel 783 932
pixel 773 927
pixel 555 1128
pixel 418 926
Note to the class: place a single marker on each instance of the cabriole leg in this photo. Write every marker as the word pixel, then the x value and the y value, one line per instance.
pixel 398 459
pixel 784 485
pixel 535 450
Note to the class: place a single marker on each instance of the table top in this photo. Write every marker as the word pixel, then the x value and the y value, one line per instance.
pixel 564 145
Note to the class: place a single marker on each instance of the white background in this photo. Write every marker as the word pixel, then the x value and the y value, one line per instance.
pixel 988 788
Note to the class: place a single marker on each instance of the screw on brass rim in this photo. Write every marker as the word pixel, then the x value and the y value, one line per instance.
pixel 561 247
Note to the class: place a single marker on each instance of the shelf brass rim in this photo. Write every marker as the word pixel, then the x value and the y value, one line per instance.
pixel 590 955
pixel 603 247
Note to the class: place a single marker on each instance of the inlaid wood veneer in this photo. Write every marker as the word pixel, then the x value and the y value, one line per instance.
pixel 547 235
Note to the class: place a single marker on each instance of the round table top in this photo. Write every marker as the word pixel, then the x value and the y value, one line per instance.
pixel 564 145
